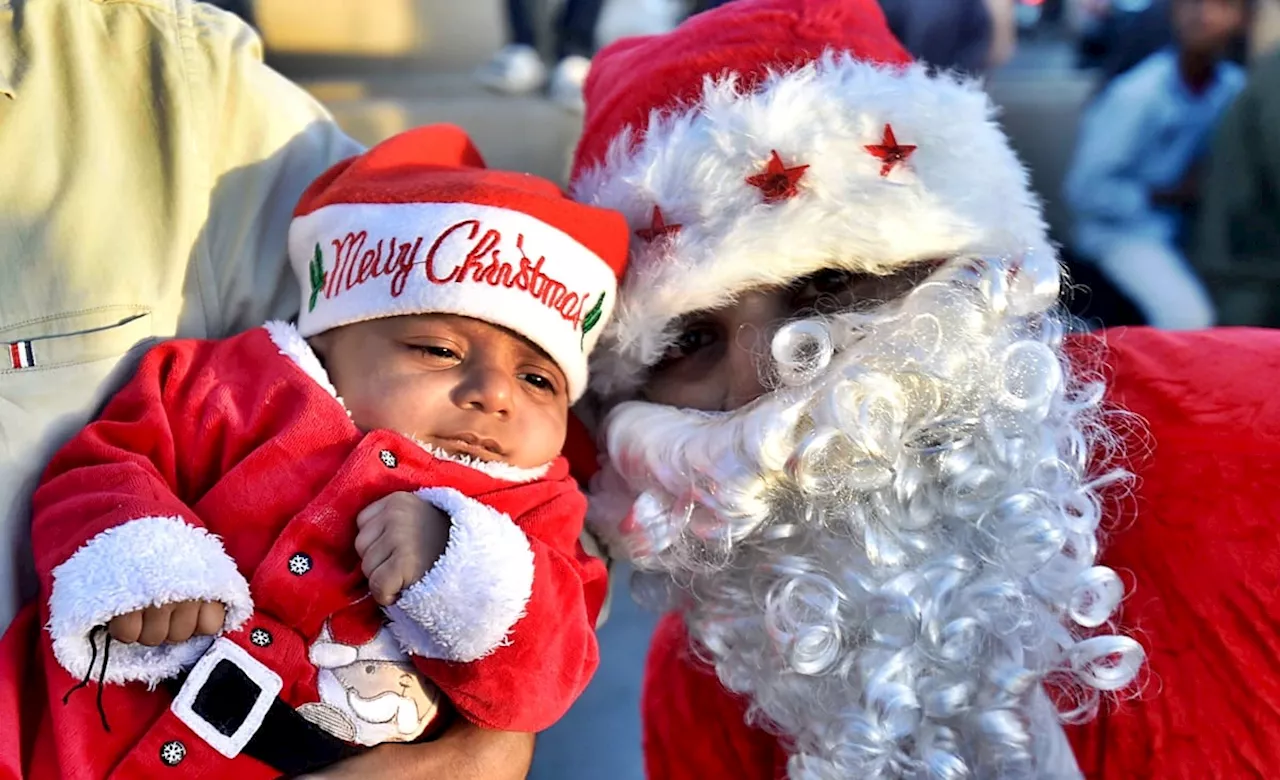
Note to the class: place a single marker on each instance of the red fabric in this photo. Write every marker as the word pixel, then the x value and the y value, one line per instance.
pixel 439 164
pixel 1198 537
pixel 235 438
pixel 580 450
pixel 636 76
pixel 693 728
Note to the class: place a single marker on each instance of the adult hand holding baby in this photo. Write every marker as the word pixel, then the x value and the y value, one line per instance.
pixel 176 622
pixel 400 539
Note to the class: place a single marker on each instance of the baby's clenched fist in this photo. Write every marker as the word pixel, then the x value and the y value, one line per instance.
pixel 400 539
pixel 176 622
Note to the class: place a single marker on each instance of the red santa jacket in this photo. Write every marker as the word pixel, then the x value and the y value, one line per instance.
pixel 1198 543
pixel 229 471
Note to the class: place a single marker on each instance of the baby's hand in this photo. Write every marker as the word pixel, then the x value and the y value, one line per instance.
pixel 400 539
pixel 175 622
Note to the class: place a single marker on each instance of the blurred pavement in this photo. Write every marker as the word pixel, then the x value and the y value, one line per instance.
pixel 386 65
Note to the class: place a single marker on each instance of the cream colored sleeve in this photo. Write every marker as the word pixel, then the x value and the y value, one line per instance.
pixel 267 140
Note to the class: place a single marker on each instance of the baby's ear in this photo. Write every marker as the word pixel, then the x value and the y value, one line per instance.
pixel 319 344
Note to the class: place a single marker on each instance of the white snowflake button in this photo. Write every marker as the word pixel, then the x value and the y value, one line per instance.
pixel 388 459
pixel 260 637
pixel 300 564
pixel 172 752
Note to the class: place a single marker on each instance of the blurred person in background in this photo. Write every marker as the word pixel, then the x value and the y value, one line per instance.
pixel 518 68
pixel 1134 175
pixel 1004 32
pixel 955 35
pixel 1119 35
pixel 1237 242
pixel 1265 35
pixel 971 36
pixel 1115 35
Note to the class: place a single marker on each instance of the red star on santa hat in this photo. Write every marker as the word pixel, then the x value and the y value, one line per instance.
pixel 657 227
pixel 889 151
pixel 778 182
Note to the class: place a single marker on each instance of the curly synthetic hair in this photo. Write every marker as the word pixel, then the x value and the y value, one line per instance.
pixel 892 555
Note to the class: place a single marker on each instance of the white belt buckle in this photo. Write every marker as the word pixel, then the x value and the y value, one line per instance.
pixel 227 738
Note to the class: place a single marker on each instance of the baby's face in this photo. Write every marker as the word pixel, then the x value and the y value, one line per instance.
pixel 458 384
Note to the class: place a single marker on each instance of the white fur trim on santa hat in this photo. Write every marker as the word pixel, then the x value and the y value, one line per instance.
pixel 327 653
pixel 466 605
pixel 146 562
pixel 293 346
pixel 960 191
pixel 367 261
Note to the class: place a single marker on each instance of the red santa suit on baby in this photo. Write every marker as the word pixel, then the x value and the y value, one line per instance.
pixel 880 567
pixel 230 471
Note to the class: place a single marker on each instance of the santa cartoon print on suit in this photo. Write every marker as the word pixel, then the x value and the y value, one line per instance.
pixel 370 692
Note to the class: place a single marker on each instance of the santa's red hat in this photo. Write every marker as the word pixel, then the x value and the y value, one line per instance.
pixel 417 225
pixel 768 139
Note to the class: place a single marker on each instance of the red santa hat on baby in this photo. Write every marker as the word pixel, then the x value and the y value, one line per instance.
pixel 765 140
pixel 417 225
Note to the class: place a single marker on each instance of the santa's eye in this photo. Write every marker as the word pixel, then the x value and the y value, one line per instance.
pixel 823 292
pixel 369 669
pixel 693 338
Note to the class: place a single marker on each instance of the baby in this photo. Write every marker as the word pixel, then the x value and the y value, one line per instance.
pixel 248 522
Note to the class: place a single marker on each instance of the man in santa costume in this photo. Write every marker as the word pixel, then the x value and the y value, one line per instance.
pixel 234 558
pixel 893 505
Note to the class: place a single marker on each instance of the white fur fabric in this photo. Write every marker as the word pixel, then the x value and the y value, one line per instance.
pixel 466 605
pixel 961 192
pixel 146 562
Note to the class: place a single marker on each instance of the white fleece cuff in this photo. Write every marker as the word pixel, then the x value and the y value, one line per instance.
pixel 465 606
pixel 142 563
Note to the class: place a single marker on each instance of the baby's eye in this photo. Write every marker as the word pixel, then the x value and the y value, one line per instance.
pixel 438 352
pixel 538 381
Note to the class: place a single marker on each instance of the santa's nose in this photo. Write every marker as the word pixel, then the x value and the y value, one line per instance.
pixel 406 680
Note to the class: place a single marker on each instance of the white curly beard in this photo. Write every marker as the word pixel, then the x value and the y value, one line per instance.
pixel 892 555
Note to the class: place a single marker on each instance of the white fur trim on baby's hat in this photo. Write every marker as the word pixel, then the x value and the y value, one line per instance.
pixel 146 562
pixel 371 260
pixel 466 605
pixel 961 190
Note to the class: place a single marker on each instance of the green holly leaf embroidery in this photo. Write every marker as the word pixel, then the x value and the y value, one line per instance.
pixel 592 319
pixel 317 277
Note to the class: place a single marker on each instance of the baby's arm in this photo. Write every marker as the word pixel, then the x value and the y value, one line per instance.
pixel 503 623
pixel 112 535
pixel 400 538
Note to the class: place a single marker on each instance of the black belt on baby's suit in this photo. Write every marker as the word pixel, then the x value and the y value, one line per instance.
pixel 232 701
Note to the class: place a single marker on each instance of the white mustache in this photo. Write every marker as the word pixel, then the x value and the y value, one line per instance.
pixel 384 708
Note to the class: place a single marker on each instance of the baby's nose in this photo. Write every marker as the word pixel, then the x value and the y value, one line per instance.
pixel 486 389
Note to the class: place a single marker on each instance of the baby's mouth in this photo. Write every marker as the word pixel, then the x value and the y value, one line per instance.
pixel 471 445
